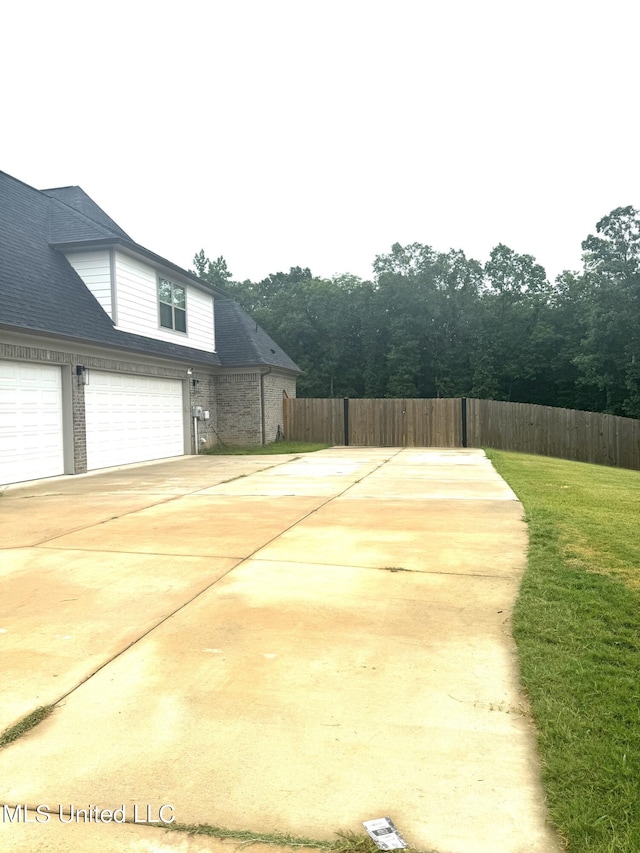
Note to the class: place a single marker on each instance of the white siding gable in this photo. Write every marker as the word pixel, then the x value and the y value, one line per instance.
pixel 94 269
pixel 137 305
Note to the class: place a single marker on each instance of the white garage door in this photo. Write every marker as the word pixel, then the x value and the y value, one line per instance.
pixel 30 421
pixel 132 419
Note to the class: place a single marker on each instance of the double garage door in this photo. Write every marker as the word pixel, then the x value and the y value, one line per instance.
pixel 128 419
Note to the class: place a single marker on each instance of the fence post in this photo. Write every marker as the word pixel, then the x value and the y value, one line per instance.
pixel 345 404
pixel 463 412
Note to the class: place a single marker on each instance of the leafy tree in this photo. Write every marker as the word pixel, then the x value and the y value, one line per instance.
pixel 441 324
pixel 511 360
pixel 456 329
pixel 566 323
pixel 318 323
pixel 429 304
pixel 215 272
pixel 609 358
pixel 256 297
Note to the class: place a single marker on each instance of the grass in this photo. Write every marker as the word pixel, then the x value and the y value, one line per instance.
pixel 347 842
pixel 266 449
pixel 577 627
pixel 25 724
pixel 248 837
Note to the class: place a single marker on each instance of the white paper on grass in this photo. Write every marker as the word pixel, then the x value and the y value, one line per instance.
pixel 384 833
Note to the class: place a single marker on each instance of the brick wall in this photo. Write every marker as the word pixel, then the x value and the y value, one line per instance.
pixel 274 387
pixel 79 424
pixel 238 399
pixel 202 392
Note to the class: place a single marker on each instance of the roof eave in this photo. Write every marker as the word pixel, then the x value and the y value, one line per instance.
pixel 261 365
pixel 187 358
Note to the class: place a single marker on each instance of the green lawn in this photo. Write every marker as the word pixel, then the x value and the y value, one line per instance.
pixel 266 449
pixel 577 627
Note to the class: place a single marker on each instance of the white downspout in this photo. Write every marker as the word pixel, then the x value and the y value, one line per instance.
pixel 262 415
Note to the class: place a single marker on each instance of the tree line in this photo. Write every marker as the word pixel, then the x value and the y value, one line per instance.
pixel 439 324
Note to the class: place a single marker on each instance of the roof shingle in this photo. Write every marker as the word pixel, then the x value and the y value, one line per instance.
pixel 240 340
pixel 76 200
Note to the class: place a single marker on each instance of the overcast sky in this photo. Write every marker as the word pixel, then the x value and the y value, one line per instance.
pixel 281 133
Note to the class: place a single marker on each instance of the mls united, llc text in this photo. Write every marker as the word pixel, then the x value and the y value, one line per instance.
pixel 68 813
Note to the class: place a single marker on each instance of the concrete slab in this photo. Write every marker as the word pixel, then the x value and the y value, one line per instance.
pixel 63 615
pixel 445 463
pixel 448 465
pixel 28 520
pixel 448 456
pixel 167 477
pixel 361 454
pixel 282 486
pixel 430 488
pixel 436 472
pixel 476 537
pixel 326 466
pixel 290 695
pixel 317 697
pixel 198 526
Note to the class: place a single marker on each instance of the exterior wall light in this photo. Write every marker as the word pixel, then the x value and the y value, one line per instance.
pixel 82 373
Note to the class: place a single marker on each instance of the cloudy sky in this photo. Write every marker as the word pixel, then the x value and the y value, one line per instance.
pixel 318 133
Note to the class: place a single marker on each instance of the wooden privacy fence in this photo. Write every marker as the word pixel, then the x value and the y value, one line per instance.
pixel 374 423
pixel 461 422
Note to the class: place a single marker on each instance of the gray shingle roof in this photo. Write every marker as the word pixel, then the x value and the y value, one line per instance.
pixel 240 340
pixel 41 292
pixel 76 200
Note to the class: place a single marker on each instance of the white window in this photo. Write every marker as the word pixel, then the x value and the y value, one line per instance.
pixel 173 306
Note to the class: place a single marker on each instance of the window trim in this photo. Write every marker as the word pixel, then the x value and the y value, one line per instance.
pixel 173 284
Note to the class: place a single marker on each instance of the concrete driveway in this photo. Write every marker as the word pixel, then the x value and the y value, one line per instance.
pixel 276 644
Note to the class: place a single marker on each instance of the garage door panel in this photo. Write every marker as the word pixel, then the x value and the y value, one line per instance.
pixel 132 419
pixel 48 420
pixel 47 396
pixel 31 444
